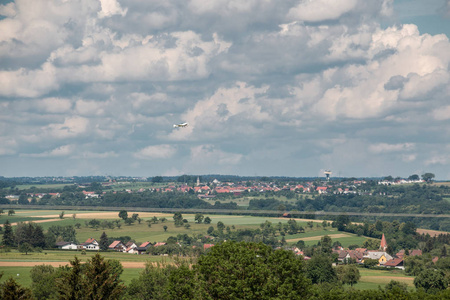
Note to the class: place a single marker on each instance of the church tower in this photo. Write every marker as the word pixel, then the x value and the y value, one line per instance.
pixel 383 244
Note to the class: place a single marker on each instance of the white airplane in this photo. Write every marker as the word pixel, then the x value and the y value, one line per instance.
pixel 180 125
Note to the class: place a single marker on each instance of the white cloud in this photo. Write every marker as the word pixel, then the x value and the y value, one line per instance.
pixel 155 152
pixel 321 10
pixel 384 147
pixel 208 154
pixel 62 151
pixel 110 8
pixel 72 127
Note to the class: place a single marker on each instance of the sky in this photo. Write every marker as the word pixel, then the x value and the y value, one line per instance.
pixel 269 88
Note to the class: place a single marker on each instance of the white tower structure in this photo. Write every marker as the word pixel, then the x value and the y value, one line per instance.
pixel 327 174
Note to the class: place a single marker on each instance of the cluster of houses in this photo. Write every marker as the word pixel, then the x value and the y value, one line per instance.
pixel 119 246
pixel 358 255
pixel 210 189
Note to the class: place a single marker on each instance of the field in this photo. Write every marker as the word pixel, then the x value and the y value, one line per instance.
pixel 13 263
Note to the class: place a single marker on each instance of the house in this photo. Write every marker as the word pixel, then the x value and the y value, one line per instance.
pixel 66 245
pixel 395 263
pixel 160 244
pixel 90 244
pixel 117 246
pixel 381 256
pixel 415 252
pixel 143 247
pixel 207 246
pixel 131 248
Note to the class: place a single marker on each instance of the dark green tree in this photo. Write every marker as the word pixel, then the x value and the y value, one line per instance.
pixel 11 290
pixel 251 271
pixel 123 214
pixel 43 279
pixel 104 242
pixel 431 280
pixel 199 218
pixel 348 274
pixel 207 220
pixel 8 235
pixel 178 218
pixel 428 177
pixel 25 248
pixel 320 269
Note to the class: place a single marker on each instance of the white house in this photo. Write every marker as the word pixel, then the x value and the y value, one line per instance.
pixel 66 245
pixel 90 244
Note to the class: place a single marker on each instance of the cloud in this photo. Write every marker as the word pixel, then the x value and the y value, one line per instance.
pixel 155 152
pixel 62 151
pixel 320 10
pixel 266 87
pixel 110 8
pixel 384 148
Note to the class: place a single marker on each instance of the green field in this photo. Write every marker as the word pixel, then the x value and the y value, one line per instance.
pixel 141 233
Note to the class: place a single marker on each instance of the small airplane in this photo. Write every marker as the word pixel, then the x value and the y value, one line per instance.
pixel 180 125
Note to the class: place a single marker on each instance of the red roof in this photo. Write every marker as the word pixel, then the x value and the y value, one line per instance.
pixel 393 262
pixel 145 244
pixel 206 246
pixel 114 244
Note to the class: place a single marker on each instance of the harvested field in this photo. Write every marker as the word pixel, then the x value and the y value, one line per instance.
pixel 431 232
pixel 317 238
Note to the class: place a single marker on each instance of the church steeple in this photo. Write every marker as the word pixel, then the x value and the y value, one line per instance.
pixel 383 244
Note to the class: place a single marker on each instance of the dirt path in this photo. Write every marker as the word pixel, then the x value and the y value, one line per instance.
pixel 318 237
pixel 125 264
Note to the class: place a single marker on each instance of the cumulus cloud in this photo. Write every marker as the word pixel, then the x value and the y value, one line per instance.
pixel 61 151
pixel 155 152
pixel 384 147
pixel 266 86
pixel 110 8
pixel 320 10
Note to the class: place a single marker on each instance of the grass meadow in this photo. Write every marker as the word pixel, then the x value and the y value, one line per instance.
pixel 156 233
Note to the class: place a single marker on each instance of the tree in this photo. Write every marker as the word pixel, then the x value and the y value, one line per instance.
pixel 25 248
pixel 165 228
pixel 155 219
pixel 97 279
pixel 232 270
pixel 414 177
pixel 207 220
pixel 348 274
pixel 178 218
pixel 157 179
pixel 199 218
pixel 220 226
pixel 135 216
pixel 431 280
pixel 320 269
pixel 11 290
pixel 129 221
pixel 325 244
pixel 61 215
pixel 43 279
pixel 8 235
pixel 23 199
pixel 11 212
pixel 123 214
pixel 428 177
pixel 104 243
